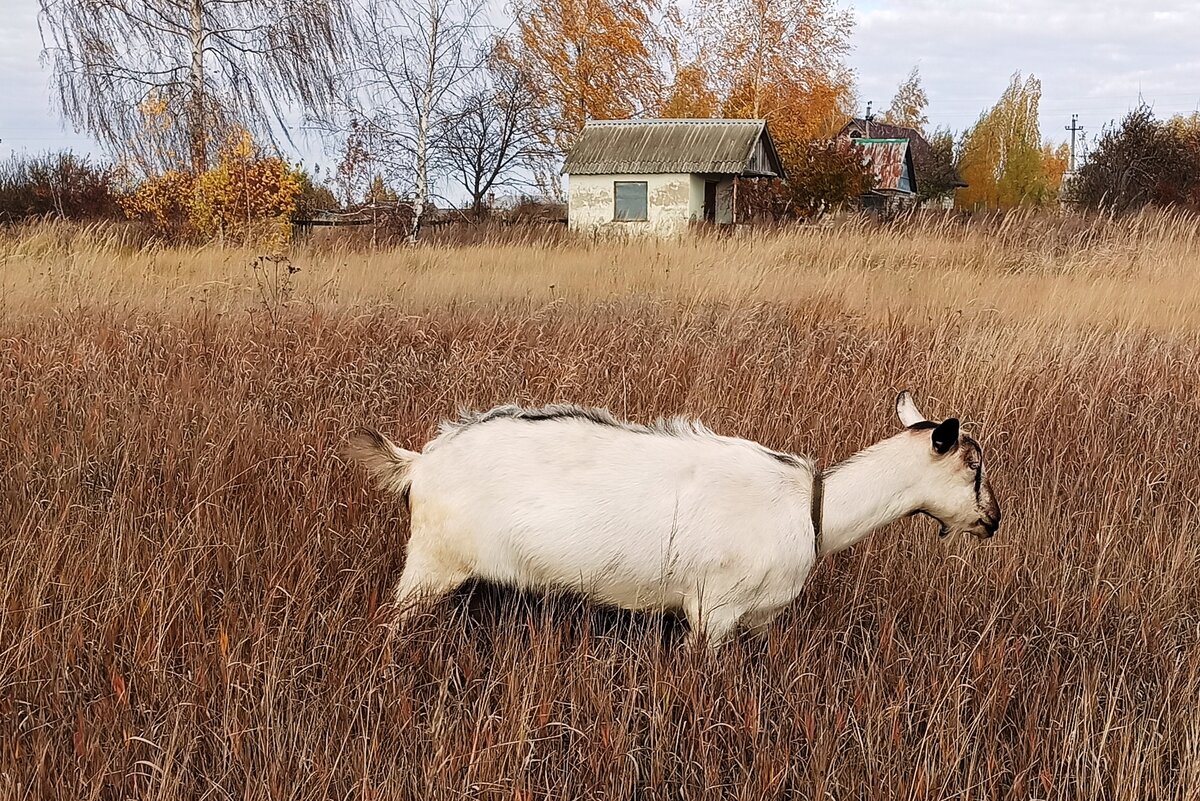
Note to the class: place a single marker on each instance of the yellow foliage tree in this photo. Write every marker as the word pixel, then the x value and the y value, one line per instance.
pixel 247 198
pixel 908 104
pixel 1002 157
pixel 587 59
pixel 1055 162
pixel 690 96
pixel 781 60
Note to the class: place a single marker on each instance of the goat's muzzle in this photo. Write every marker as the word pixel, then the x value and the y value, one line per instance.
pixel 987 527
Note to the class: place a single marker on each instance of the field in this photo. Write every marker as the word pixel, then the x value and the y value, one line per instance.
pixel 194 584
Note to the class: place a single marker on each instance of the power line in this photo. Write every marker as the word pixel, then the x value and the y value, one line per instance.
pixel 1073 128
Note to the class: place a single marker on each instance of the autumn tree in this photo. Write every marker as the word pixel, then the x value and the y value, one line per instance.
pixel 824 174
pixel 587 59
pixel 248 196
pixel 1056 160
pixel 1002 157
pixel 908 106
pixel 690 95
pixel 780 61
pixel 201 65
pixel 937 176
pixel 783 62
pixel 353 171
pixel 57 184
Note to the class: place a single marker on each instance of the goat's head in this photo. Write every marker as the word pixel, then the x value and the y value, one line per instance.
pixel 954 487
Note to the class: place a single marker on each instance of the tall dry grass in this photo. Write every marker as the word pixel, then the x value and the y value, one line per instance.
pixel 193 583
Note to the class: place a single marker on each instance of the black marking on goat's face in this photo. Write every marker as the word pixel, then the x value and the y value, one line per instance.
pixel 966 503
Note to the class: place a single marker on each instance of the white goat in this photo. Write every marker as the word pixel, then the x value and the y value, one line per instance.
pixel 668 516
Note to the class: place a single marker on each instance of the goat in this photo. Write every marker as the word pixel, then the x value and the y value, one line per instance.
pixel 666 516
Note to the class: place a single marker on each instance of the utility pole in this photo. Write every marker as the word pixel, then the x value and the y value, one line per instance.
pixel 1073 128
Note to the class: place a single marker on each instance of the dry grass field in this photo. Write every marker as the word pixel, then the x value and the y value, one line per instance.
pixel 193 583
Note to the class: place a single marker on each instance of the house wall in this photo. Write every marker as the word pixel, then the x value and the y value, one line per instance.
pixel 670 203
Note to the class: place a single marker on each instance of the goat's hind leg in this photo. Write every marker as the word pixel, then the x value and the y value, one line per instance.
pixel 423 581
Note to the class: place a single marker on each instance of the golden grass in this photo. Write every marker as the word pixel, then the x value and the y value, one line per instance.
pixel 1139 271
pixel 193 582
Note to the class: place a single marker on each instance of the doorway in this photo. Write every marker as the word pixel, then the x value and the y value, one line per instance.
pixel 710 201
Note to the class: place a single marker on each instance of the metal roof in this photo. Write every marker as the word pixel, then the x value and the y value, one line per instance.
pixel 631 147
pixel 891 162
pixel 922 151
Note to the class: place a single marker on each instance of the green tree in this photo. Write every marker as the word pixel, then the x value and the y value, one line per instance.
pixel 936 174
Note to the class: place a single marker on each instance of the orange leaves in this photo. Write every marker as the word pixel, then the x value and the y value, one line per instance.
pixel 588 59
pixel 246 197
pixel 690 96
pixel 782 62
pixel 779 60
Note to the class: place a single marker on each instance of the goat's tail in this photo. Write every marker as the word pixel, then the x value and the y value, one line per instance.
pixel 387 462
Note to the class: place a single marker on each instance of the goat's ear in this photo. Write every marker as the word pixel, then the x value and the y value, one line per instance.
pixel 945 436
pixel 907 411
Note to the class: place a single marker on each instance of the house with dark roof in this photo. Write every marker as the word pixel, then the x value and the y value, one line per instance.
pixel 927 170
pixel 658 176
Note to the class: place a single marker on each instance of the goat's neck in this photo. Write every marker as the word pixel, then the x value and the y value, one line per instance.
pixel 869 490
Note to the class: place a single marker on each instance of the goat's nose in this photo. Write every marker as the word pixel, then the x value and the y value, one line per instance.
pixel 991 526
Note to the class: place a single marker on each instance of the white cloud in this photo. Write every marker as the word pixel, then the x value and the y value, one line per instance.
pixel 27 121
pixel 1093 59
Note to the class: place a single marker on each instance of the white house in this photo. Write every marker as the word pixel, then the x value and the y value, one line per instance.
pixel 657 176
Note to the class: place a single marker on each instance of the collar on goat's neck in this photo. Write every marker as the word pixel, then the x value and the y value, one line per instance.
pixel 872 488
pixel 817 507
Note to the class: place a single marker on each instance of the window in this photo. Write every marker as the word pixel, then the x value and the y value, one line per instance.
pixel 629 200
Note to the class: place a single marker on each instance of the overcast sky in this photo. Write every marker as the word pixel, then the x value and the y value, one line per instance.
pixel 1094 59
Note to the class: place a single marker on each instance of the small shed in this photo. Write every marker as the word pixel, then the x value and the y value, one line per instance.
pixel 891 163
pixel 658 176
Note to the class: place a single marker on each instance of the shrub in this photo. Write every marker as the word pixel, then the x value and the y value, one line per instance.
pixel 821 175
pixel 1143 162
pixel 247 198
pixel 57 185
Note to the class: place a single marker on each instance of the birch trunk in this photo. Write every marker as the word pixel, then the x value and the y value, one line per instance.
pixel 197 133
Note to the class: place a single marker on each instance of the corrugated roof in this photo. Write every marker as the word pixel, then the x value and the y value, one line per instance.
pixel 630 147
pixel 890 162
pixel 922 151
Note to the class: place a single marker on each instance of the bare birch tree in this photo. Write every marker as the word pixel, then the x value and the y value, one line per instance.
pixel 413 60
pixel 192 66
pixel 497 136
